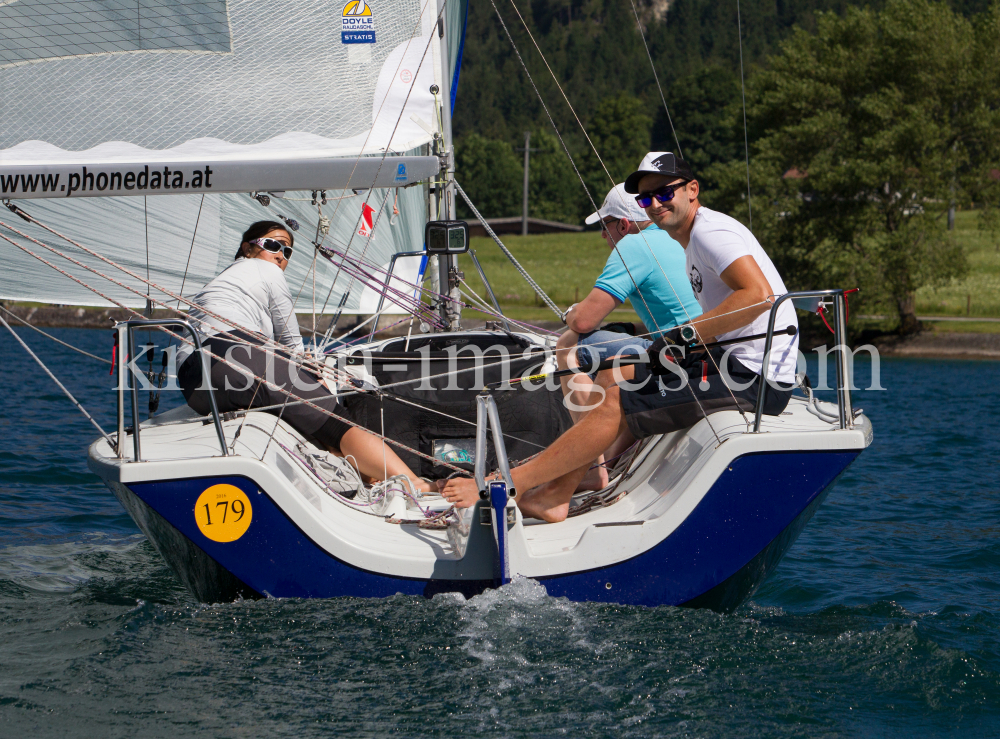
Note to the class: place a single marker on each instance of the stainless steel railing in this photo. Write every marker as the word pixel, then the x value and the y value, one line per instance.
pixel 488 418
pixel 126 348
pixel 844 409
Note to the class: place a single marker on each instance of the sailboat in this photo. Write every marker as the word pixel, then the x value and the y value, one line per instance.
pixel 139 147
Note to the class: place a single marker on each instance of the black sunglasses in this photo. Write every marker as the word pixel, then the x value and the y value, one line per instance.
pixel 274 246
pixel 663 195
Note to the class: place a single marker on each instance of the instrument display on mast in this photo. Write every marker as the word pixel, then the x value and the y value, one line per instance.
pixel 446 237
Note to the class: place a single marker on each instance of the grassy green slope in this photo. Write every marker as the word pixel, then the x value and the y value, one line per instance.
pixel 564 265
pixel 981 285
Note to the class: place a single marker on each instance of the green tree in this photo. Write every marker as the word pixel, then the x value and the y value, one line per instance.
pixel 702 107
pixel 862 132
pixel 554 190
pixel 620 131
pixel 491 173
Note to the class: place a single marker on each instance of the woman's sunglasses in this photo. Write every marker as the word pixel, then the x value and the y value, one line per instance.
pixel 274 246
pixel 663 195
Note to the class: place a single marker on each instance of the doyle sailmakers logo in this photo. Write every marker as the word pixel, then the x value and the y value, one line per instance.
pixel 357 24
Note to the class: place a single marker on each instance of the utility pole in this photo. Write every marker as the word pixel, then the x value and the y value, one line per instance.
pixel 954 176
pixel 524 200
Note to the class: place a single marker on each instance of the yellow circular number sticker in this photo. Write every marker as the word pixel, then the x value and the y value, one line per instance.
pixel 223 513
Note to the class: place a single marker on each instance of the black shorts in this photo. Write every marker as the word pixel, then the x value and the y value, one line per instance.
pixel 668 403
pixel 235 391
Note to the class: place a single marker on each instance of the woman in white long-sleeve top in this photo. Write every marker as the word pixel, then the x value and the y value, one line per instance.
pixel 253 294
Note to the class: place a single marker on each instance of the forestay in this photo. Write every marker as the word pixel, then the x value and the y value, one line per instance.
pixel 109 98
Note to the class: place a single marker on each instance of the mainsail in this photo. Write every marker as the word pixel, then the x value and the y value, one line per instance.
pixel 105 101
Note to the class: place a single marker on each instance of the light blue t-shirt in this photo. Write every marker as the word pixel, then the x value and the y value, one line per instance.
pixel 661 297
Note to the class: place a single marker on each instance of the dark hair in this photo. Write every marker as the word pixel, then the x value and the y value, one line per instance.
pixel 260 228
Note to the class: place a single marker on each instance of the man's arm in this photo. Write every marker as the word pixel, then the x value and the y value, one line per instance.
pixel 750 289
pixel 586 316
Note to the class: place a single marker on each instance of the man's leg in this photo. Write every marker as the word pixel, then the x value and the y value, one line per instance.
pixel 551 478
pixel 578 393
pixel 563 464
pixel 576 388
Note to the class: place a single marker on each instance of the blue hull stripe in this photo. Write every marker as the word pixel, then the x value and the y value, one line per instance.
pixel 748 507
pixel 751 504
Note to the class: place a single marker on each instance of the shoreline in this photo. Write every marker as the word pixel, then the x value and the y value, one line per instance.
pixel 926 344
pixel 940 345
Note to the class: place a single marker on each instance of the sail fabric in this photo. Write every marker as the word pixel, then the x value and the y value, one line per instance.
pixel 257 85
pixel 456 23
pixel 158 75
pixel 363 225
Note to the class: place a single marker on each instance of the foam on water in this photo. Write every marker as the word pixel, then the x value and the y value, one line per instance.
pixel 881 621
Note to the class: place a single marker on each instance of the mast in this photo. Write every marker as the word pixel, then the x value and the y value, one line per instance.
pixel 447 265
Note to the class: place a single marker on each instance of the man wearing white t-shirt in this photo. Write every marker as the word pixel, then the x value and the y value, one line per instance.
pixel 735 284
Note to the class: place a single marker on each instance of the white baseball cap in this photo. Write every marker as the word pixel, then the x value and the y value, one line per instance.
pixel 618 204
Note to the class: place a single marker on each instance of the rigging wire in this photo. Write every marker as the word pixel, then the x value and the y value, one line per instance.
pixel 56 381
pixel 130 273
pixel 120 284
pixel 400 399
pixel 743 89
pixel 333 322
pixel 649 248
pixel 322 229
pixel 517 265
pixel 242 370
pixel 385 154
pixel 586 189
pixel 656 77
pixel 50 336
pixel 191 250
pixel 145 214
pixel 137 314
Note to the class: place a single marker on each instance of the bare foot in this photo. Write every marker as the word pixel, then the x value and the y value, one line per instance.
pixel 596 477
pixel 461 491
pixel 423 485
pixel 548 502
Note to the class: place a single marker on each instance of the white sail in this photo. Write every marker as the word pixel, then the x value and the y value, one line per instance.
pixel 270 95
pixel 226 82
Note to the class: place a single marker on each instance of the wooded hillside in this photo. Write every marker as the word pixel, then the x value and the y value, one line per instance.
pixel 887 113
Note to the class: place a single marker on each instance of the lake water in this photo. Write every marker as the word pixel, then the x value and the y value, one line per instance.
pixel 883 620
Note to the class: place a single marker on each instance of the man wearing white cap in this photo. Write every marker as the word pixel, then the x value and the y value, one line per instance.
pixel 646 266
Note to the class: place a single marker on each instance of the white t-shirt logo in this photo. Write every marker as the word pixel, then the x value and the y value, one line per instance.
pixel 695 278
